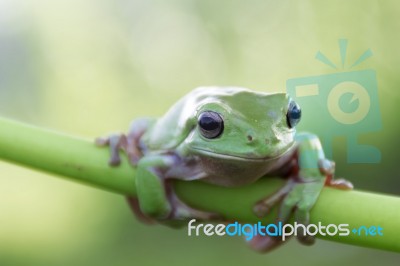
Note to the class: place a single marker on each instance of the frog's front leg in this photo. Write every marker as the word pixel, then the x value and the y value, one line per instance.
pixel 310 172
pixel 128 143
pixel 327 167
pixel 156 198
pixel 156 195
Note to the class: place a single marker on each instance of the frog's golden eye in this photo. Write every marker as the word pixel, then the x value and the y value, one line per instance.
pixel 211 124
pixel 293 114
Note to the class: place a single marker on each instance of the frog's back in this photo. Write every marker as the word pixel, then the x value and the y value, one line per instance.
pixel 173 128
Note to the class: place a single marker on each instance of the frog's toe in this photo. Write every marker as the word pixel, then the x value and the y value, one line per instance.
pixel 135 207
pixel 263 206
pixel 286 208
pixel 181 211
pixel 101 141
pixel 300 200
pixel 190 213
pixel 261 209
pixel 264 243
pixel 115 143
pixel 327 168
pixel 302 217
pixel 340 184
pixel 305 239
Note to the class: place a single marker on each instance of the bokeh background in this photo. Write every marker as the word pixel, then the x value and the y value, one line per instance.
pixel 90 67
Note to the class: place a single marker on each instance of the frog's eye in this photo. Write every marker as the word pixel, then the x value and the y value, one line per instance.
pixel 293 114
pixel 211 124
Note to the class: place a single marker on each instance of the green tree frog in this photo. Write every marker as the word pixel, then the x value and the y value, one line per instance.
pixel 228 136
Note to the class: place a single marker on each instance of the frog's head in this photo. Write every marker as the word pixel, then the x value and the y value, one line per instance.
pixel 243 124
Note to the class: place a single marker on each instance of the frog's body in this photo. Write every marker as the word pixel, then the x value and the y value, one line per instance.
pixel 242 154
pixel 230 137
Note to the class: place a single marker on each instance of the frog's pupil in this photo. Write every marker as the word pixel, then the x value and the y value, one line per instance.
pixel 295 113
pixel 208 123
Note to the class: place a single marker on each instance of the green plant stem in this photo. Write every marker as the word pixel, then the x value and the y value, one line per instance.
pixel 80 160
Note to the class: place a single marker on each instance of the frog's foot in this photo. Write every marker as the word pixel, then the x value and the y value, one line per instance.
pixel 178 217
pixel 327 168
pixel 339 183
pixel 115 142
pixel 181 213
pixel 300 200
pixel 265 243
pixel 297 196
pixel 134 204
pixel 156 194
pixel 263 206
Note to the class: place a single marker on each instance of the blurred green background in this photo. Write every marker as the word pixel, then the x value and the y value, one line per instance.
pixel 90 67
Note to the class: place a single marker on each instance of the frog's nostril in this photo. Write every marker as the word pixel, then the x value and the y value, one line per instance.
pixel 249 137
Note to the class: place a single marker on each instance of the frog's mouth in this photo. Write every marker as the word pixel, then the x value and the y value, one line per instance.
pixel 209 153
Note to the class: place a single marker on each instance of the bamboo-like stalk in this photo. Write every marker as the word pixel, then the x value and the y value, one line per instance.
pixel 80 160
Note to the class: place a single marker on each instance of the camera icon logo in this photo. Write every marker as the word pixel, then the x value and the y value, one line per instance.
pixel 340 104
